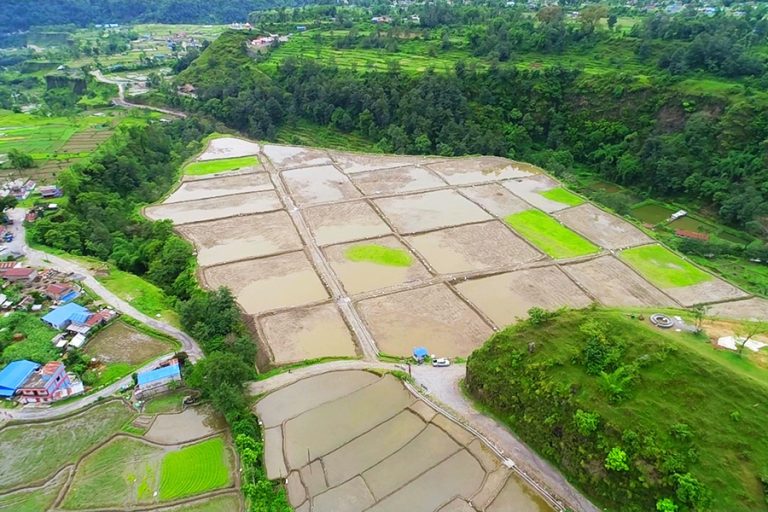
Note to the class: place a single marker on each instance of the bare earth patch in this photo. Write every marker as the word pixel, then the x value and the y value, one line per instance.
pixel 755 308
pixel 206 187
pixel 312 185
pixel 433 317
pixel 364 276
pixel 270 283
pixel 602 228
pixel 121 343
pixel 614 284
pixel 714 290
pixel 344 222
pixel 473 247
pixel 430 210
pixel 481 169
pixel 307 333
pixel 215 208
pixel 505 298
pixel 239 238
pixel 228 147
pixel 395 181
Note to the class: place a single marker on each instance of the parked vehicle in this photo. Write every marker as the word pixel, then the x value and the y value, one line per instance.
pixel 441 362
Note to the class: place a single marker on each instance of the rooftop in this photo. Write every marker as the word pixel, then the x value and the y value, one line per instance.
pixel 19 272
pixel 13 375
pixel 157 374
pixel 64 313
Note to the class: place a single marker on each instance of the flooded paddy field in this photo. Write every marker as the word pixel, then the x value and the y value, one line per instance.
pixel 614 284
pixel 506 298
pixel 433 316
pixel 289 157
pixel 395 181
pixel 430 210
pixel 228 147
pixel 239 238
pixel 352 163
pixel 366 276
pixel 273 282
pixel 376 245
pixel 215 208
pixel 602 228
pixel 473 247
pixel 307 333
pixel 353 441
pixel 206 187
pixel 481 169
pixel 322 184
pixel 496 199
pixel 344 222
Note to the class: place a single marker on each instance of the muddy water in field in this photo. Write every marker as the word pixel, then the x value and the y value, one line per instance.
pixel 203 188
pixel 344 222
pixel 193 423
pixel 405 179
pixel 284 157
pixel 462 171
pixel 216 208
pixel 518 497
pixel 422 212
pixel 320 184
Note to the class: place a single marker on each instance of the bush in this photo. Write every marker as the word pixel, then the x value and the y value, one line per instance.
pixel 586 422
pixel 616 460
pixel 666 505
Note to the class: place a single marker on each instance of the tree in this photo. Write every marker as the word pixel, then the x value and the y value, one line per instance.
pixel 20 160
pixel 612 20
pixel 746 332
pixel 616 460
pixel 8 202
pixel 666 505
pixel 699 311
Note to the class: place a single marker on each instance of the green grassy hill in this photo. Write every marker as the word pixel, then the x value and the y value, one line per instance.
pixel 630 414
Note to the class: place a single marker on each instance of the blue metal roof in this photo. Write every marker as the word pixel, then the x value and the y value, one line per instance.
pixel 14 375
pixel 158 374
pixel 63 314
pixel 70 296
pixel 420 352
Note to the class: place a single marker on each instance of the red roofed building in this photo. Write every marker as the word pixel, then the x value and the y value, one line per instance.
pixel 694 235
pixel 17 274
pixel 60 292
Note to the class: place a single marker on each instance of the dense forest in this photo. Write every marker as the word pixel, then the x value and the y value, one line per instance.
pixel 652 137
pixel 639 420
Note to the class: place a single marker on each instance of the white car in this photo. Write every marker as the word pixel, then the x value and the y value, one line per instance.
pixel 441 362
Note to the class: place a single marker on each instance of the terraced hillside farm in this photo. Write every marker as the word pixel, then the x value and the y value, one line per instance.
pixel 110 457
pixel 351 440
pixel 335 254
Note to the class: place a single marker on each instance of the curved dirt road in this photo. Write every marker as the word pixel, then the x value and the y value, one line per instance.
pixel 43 259
pixel 120 101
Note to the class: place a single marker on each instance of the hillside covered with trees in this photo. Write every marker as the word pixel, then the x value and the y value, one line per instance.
pixel 638 419
pixel 642 130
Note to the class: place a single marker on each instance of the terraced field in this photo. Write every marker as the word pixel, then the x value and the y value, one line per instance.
pixel 195 470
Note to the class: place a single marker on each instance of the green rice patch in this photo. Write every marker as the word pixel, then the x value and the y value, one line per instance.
pixel 548 235
pixel 194 470
pixel 662 267
pixel 214 166
pixel 563 196
pixel 380 255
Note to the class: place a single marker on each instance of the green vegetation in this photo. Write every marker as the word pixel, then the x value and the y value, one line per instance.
pixel 25 336
pixel 114 475
pixel 165 403
pixel 564 196
pixel 549 235
pixel 631 414
pixel 141 294
pixel 33 452
pixel 213 166
pixel 663 267
pixel 379 254
pixel 304 133
pixel 37 500
pixel 194 470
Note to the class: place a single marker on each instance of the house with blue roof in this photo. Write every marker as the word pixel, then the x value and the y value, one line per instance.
pixel 14 375
pixel 62 316
pixel 156 381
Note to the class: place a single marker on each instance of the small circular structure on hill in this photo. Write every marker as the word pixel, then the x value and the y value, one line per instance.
pixel 662 321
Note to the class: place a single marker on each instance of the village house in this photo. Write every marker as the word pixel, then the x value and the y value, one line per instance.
pixel 60 292
pixel 50 191
pixel 61 317
pixel 20 275
pixel 14 375
pixel 156 381
pixel 45 384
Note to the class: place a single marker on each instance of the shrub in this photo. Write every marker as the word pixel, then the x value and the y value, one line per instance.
pixel 617 460
pixel 681 432
pixel 538 316
pixel 691 492
pixel 666 505
pixel 586 422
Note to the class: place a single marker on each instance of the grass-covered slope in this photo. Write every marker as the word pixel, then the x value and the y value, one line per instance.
pixel 635 417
